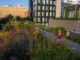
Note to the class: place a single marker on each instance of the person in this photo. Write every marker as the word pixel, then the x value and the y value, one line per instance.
pixel 67 35
pixel 59 35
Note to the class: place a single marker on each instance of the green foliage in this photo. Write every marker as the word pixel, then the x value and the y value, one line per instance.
pixel 9 16
pixel 14 23
pixel 44 49
pixel 75 37
pixel 65 18
pixel 6 19
pixel 55 30
pixel 31 45
pixel 26 24
pixel 27 19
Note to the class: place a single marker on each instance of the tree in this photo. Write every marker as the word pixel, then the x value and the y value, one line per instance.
pixel 9 16
pixel 66 10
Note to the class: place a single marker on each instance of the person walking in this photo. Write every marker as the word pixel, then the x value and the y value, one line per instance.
pixel 67 35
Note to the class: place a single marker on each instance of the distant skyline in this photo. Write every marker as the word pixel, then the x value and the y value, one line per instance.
pixel 14 2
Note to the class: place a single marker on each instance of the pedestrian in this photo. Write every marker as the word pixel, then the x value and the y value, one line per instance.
pixel 59 35
pixel 67 34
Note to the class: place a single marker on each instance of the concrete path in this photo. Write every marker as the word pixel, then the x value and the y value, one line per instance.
pixel 75 47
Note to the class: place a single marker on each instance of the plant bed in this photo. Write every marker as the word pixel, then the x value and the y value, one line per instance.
pixel 75 37
pixel 29 44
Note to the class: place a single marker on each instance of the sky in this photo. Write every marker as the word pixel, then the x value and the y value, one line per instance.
pixel 14 2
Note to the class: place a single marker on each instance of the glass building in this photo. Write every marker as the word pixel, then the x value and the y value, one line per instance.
pixel 42 10
pixel 63 5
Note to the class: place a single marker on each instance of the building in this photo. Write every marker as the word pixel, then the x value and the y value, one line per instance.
pixel 73 9
pixel 72 1
pixel 41 11
pixel 14 11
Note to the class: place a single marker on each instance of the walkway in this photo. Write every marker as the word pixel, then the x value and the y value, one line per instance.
pixel 75 47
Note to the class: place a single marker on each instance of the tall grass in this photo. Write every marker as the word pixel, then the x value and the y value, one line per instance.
pixel 44 49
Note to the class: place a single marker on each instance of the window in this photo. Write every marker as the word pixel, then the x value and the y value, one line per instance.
pixel 46 7
pixel 51 1
pixel 34 19
pixel 38 19
pixel 38 7
pixel 46 13
pixel 50 13
pixel 53 13
pixel 43 7
pixel 35 2
pixel 43 1
pixel 35 13
pixel 53 8
pixel 42 19
pixel 47 1
pixel 46 20
pixel 42 13
pixel 35 8
pixel 50 7
pixel 39 1
pixel 38 13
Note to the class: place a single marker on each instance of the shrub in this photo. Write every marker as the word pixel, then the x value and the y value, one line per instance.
pixel 18 46
pixel 26 24
pixel 75 37
pixel 7 27
pixel 14 23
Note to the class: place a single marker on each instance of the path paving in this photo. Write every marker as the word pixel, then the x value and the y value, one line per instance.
pixel 75 47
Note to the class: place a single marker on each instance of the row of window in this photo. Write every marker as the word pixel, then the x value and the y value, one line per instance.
pixel 40 19
pixel 44 8
pixel 44 13
pixel 51 2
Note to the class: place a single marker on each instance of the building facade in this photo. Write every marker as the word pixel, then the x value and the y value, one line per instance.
pixel 72 1
pixel 14 11
pixel 71 9
pixel 44 10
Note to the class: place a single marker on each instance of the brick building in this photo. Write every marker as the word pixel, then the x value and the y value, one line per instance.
pixel 14 11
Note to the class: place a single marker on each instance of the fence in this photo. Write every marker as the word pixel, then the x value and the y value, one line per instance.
pixel 69 25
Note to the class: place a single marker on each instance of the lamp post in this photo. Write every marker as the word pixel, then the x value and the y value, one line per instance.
pixel 76 16
pixel 76 11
